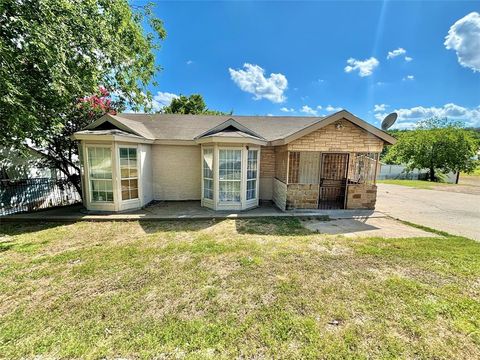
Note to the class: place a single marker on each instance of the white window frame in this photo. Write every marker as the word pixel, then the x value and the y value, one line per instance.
pixel 243 204
pixel 212 149
pixel 240 181
pixel 88 173
pixel 129 178
pixel 255 179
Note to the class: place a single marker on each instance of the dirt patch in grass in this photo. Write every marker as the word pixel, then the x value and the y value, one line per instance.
pixel 263 288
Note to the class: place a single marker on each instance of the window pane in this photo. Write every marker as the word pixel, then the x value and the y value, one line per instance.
pixel 134 194
pixel 100 173
pixel 208 163
pixel 132 153
pixel 251 189
pixel 230 175
pixel 229 191
pixel 208 189
pixel 252 172
pixel 129 173
pixel 133 173
pixel 230 165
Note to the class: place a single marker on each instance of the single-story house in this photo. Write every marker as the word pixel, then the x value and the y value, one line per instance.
pixel 230 162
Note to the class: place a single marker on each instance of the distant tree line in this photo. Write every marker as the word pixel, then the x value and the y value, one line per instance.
pixel 437 144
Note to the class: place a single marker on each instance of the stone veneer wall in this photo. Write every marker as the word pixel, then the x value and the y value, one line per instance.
pixel 302 196
pixel 280 194
pixel 349 138
pixel 361 196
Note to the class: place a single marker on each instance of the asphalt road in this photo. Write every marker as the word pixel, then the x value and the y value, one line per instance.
pixel 455 213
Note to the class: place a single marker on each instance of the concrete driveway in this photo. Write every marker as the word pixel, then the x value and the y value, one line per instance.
pixel 455 213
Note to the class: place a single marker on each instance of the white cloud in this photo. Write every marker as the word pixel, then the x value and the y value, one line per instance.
pixel 162 99
pixel 189 62
pixel 365 67
pixel 408 77
pixel 330 108
pixel 464 38
pixel 252 80
pixel 308 110
pixel 394 53
pixel 379 107
pixel 407 117
pixel 287 110
pixel 408 58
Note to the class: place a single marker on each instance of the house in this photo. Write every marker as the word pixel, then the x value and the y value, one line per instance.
pixel 230 162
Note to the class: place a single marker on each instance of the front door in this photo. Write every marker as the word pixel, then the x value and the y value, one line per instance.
pixel 333 181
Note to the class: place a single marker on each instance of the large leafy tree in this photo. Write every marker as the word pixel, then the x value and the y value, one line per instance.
pixel 193 104
pixel 54 53
pixel 438 145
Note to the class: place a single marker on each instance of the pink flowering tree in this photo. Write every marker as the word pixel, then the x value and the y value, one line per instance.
pixel 58 150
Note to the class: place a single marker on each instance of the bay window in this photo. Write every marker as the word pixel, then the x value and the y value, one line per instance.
pixel 100 174
pixel 128 173
pixel 230 177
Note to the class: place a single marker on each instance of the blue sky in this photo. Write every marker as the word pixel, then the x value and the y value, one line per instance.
pixel 310 58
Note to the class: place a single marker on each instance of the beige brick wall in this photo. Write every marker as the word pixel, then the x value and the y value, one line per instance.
pixel 302 196
pixel 267 172
pixel 361 196
pixel 350 138
pixel 280 194
pixel 267 162
pixel 176 172
pixel 281 160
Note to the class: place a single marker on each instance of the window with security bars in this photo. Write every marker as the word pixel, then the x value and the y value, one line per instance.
pixel 252 169
pixel 129 173
pixel 229 175
pixel 304 167
pixel 208 173
pixel 100 173
pixel 363 168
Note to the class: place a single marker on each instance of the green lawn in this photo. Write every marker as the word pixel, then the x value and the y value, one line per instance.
pixel 233 289
pixel 419 184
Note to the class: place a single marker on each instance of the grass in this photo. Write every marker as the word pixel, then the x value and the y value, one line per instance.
pixel 419 184
pixel 234 289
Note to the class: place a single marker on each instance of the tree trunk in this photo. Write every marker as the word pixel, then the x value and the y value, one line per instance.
pixel 458 177
pixel 432 174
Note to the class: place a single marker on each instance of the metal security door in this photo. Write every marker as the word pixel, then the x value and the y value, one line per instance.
pixel 333 181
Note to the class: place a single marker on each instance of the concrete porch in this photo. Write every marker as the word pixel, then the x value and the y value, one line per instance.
pixel 178 210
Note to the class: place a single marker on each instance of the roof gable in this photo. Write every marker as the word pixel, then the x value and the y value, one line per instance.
pixel 343 114
pixel 228 125
pixel 120 123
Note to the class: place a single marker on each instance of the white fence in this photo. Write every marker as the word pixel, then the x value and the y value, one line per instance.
pixel 400 172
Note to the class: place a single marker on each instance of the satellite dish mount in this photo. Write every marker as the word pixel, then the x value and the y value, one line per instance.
pixel 389 120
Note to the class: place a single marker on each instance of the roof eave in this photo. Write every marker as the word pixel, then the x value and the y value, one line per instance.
pixel 110 137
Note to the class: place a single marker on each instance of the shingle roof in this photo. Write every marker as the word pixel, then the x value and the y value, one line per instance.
pixel 188 127
pixel 276 130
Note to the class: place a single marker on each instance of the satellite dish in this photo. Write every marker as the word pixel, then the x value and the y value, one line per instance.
pixel 389 121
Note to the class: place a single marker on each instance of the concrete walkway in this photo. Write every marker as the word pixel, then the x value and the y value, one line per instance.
pixel 178 210
pixel 455 213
